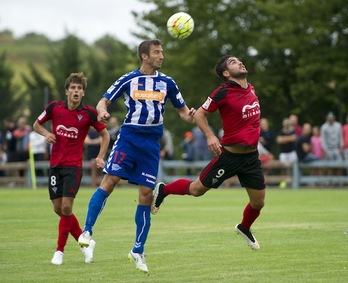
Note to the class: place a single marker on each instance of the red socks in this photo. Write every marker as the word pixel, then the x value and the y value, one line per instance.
pixel 63 231
pixel 67 224
pixel 249 216
pixel 75 229
pixel 178 187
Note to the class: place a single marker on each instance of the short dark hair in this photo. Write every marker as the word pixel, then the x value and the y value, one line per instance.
pixel 78 78
pixel 221 66
pixel 144 47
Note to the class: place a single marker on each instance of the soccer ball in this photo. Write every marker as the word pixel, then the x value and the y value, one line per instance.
pixel 180 25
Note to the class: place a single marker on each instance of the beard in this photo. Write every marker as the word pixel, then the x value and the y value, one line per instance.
pixel 240 75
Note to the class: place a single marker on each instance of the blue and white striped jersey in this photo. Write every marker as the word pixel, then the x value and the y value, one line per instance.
pixel 145 97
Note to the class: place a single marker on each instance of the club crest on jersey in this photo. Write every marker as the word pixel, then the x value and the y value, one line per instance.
pixel 79 117
pixel 160 86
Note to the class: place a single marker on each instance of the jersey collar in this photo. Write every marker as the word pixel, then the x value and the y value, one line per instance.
pixel 78 108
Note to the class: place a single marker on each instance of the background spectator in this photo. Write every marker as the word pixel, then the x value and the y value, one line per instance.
pixel 286 140
pixel 113 129
pixel 21 133
pixel 188 148
pixel 201 150
pixel 332 141
pixel 92 143
pixel 331 138
pixel 39 149
pixel 345 138
pixel 266 135
pixel 295 124
pixel 10 140
pixel 167 146
pixel 265 156
pixel 3 159
pixel 317 149
pixel 303 145
pixel 287 154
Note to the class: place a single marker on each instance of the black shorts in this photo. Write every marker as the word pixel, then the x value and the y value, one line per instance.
pixel 64 182
pixel 226 165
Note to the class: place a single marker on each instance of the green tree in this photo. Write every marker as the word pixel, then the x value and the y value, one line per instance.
pixel 65 58
pixel 109 60
pixel 295 52
pixel 11 101
pixel 38 90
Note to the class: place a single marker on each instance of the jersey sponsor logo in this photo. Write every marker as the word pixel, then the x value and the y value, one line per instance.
pixel 110 89
pixel 42 115
pixel 147 95
pixel 207 103
pixel 71 132
pixel 251 110
pixel 136 84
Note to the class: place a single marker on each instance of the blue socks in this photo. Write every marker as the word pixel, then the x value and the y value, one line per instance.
pixel 142 218
pixel 95 207
pixel 143 223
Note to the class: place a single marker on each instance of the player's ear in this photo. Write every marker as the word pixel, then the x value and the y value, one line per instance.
pixel 226 73
pixel 144 56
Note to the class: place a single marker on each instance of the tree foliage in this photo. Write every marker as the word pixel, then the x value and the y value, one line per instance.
pixel 9 97
pixel 295 51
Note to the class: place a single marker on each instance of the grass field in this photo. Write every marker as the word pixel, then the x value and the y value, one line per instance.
pixel 191 239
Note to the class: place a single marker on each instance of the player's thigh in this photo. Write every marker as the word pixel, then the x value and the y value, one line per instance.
pixel 72 177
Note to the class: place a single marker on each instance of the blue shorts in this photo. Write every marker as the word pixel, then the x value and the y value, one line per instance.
pixel 134 157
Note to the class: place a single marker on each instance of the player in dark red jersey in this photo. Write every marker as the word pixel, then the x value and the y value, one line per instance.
pixel 236 153
pixel 70 122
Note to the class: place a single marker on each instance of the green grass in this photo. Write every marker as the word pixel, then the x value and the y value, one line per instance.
pixel 191 239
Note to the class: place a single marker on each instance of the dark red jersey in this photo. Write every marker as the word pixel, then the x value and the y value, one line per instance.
pixel 70 128
pixel 240 113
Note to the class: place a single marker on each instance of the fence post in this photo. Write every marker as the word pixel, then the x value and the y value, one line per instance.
pixel 295 175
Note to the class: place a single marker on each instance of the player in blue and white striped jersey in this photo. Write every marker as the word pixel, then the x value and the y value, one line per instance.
pixel 136 152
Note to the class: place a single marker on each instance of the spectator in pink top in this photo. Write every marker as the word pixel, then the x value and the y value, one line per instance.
pixel 317 150
pixel 345 138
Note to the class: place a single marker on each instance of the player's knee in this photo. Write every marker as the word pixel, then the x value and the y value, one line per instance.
pixel 66 210
pixel 58 211
pixel 258 205
pixel 197 191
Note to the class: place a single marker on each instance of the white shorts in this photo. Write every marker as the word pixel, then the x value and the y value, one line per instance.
pixel 288 157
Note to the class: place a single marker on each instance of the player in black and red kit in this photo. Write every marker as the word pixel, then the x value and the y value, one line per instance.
pixel 70 122
pixel 236 153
